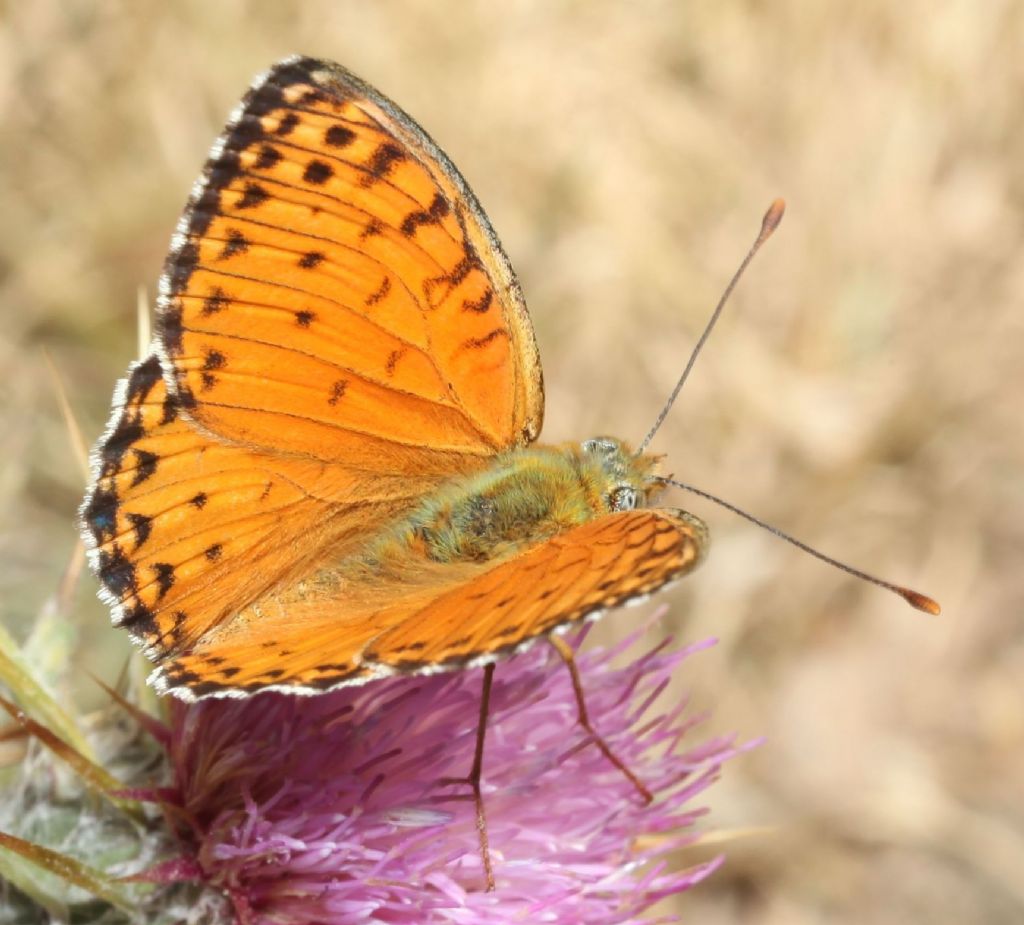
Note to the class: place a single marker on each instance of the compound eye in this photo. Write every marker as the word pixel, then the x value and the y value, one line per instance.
pixel 598 445
pixel 623 498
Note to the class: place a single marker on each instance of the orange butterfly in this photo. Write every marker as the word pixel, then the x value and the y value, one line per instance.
pixel 324 474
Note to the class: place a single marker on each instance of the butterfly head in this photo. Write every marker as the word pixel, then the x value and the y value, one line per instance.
pixel 620 477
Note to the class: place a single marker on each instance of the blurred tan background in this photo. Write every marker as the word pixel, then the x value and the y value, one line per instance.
pixel 863 390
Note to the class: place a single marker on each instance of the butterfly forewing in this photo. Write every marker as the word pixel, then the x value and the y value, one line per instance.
pixel 336 292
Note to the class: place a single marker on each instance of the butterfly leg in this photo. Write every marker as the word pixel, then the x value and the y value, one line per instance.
pixel 476 773
pixel 565 651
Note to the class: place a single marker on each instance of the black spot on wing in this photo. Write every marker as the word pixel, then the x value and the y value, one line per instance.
pixel 198 688
pixel 392 361
pixel 164 574
pixel 339 136
pixel 213 360
pixel 469 262
pixel 311 97
pixel 181 677
pixel 253 196
pixel 297 70
pixel 337 391
pixel 311 259
pixel 373 227
pixel 432 215
pixel 481 305
pixel 236 244
pixel 177 630
pixel 181 264
pixel 268 157
pixel 101 514
pixel 287 125
pixel 140 620
pixel 382 162
pixel 142 527
pixel 379 293
pixel 171 328
pixel 216 301
pixel 142 379
pixel 186 397
pixel 145 466
pixel 476 343
pixel 116 571
pixel 317 172
pixel 127 432
pixel 169 410
pixel 333 668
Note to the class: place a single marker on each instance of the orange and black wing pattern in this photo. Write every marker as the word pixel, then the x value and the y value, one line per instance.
pixel 184 530
pixel 335 291
pixel 447 624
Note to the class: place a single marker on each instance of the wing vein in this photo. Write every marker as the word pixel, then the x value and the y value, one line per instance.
pixel 355 373
pixel 459 450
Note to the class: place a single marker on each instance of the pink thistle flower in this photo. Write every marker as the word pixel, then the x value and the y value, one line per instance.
pixel 338 808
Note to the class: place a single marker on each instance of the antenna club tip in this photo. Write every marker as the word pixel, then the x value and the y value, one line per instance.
pixel 771 221
pixel 773 216
pixel 921 601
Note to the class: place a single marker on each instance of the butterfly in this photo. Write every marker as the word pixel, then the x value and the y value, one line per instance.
pixel 325 472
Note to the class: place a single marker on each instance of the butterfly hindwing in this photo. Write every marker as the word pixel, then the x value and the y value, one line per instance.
pixel 585 571
pixel 321 644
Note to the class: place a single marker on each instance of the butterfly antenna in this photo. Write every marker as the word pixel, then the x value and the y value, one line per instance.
pixel 914 598
pixel 768 224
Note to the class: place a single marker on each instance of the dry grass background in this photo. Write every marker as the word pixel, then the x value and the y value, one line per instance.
pixel 864 390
